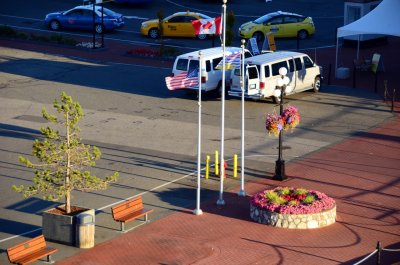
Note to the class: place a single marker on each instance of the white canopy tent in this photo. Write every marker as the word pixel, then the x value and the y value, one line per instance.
pixel 384 19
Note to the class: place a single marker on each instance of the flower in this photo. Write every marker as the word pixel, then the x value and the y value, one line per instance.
pixel 88 44
pixel 287 200
pixel 274 124
pixel 291 117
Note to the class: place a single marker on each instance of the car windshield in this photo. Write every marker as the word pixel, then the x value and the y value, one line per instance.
pixel 200 15
pixel 107 12
pixel 264 18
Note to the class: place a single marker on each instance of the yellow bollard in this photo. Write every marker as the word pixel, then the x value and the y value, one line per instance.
pixel 216 163
pixel 207 166
pixel 235 166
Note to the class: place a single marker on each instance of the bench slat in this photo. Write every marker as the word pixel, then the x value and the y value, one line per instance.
pixel 134 215
pixel 122 209
pixel 25 248
pixel 29 251
pixel 129 210
pixel 36 255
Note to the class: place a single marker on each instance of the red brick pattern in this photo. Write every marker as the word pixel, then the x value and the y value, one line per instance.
pixel 362 174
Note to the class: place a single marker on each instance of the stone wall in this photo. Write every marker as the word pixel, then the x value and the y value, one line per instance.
pixel 294 221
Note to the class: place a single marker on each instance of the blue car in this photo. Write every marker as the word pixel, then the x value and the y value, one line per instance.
pixel 81 18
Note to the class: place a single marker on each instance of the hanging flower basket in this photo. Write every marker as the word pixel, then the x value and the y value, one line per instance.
pixel 291 118
pixel 274 124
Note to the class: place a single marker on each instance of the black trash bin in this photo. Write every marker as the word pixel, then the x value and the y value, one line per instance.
pixel 85 231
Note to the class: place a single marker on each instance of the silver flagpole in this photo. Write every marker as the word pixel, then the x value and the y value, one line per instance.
pixel 198 211
pixel 222 161
pixel 242 193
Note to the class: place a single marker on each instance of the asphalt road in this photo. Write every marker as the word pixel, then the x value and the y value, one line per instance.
pixel 149 135
pixel 327 15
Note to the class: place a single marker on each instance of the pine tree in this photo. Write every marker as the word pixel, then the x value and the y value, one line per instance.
pixel 63 160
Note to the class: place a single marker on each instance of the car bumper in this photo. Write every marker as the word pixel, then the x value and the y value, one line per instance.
pixel 238 94
pixel 245 35
pixel 144 31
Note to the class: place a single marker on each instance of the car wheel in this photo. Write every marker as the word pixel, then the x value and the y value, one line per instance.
pixel 302 35
pixel 54 25
pixel 153 33
pixel 202 36
pixel 259 36
pixel 317 84
pixel 98 28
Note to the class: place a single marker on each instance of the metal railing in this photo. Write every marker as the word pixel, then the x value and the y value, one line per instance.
pixel 378 251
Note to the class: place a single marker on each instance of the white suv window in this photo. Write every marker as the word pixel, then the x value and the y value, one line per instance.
pixel 307 62
pixel 182 64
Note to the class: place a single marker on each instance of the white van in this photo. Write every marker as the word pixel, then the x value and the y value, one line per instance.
pixel 212 77
pixel 262 73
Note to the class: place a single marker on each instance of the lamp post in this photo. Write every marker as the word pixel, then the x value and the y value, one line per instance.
pixel 280 163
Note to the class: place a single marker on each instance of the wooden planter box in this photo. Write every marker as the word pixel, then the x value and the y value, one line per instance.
pixel 62 228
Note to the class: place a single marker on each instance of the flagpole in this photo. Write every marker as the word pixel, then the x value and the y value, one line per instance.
pixel 242 193
pixel 222 161
pixel 198 211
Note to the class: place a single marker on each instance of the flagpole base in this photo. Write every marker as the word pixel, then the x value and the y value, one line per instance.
pixel 220 202
pixel 197 211
pixel 242 193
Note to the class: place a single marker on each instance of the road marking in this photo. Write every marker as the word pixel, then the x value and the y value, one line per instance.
pixel 12 237
pixel 136 17
pixel 3 15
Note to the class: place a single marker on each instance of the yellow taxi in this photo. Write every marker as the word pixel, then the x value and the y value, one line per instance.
pixel 280 24
pixel 175 25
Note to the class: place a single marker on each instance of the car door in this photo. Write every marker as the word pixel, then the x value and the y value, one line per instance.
pixel 310 72
pixel 252 80
pixel 291 74
pixel 71 19
pixel 275 25
pixel 86 19
pixel 275 74
pixel 290 26
pixel 300 74
pixel 171 27
pixel 187 28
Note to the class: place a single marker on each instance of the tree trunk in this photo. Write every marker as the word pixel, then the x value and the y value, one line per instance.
pixel 68 195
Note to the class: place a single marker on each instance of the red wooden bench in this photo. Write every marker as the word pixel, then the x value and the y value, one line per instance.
pixel 129 211
pixel 30 251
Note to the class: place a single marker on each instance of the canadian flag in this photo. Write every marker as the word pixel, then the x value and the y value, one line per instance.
pixel 207 26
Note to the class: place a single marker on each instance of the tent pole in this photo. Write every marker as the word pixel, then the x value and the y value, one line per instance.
pixel 337 49
pixel 358 47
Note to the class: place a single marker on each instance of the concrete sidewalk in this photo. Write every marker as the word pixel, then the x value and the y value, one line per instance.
pixel 361 174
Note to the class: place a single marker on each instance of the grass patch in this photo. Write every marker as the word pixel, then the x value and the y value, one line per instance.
pixel 8 32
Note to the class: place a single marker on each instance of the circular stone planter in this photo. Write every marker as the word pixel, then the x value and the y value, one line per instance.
pixel 295 221
pixel 290 210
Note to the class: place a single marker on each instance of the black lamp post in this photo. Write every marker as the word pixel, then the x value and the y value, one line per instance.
pixel 280 163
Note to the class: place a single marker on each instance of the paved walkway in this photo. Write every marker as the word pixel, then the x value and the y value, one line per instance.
pixel 361 174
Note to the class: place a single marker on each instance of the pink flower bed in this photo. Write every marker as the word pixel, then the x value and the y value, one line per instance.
pixel 286 200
